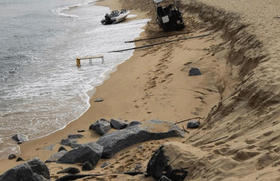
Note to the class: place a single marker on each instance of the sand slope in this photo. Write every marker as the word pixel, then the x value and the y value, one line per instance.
pixel 237 95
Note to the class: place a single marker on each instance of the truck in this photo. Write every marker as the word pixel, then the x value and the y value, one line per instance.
pixel 168 16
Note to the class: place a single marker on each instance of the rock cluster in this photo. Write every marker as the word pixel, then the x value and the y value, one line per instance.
pixel 33 170
pixel 91 152
pixel 118 140
pixel 101 126
pixel 106 146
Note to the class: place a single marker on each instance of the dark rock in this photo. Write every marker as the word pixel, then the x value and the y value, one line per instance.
pixel 81 131
pixel 19 159
pixel 159 165
pixel 75 136
pixel 69 142
pixel 90 152
pixel 12 156
pixel 133 123
pixel 101 126
pixel 19 138
pixel 117 124
pixel 87 166
pixel 193 124
pixel 61 149
pixel 34 170
pixel 164 178
pixel 121 139
pixel 69 170
pixel 194 72
pixel 105 164
pixel 39 167
pixel 98 100
pixel 133 173
pixel 56 156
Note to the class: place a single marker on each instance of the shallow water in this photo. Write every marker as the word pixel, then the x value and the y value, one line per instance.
pixel 41 89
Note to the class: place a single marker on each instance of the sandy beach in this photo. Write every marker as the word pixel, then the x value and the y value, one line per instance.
pixel 236 97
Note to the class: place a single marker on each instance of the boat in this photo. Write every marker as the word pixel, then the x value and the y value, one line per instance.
pixel 115 16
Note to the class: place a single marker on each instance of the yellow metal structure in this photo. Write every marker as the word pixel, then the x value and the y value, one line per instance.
pixel 78 60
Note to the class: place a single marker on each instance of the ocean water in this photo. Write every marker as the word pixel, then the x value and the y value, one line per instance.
pixel 41 89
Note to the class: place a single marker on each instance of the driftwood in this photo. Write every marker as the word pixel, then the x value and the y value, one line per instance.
pixel 188 119
pixel 185 129
pixel 160 43
pixel 152 38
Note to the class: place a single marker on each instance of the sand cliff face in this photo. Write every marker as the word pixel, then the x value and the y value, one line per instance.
pixel 241 133
pixel 246 123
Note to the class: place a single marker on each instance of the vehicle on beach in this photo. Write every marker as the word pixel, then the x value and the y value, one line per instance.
pixel 115 16
pixel 169 17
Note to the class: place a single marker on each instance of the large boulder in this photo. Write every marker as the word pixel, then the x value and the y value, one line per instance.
pixel 118 124
pixel 149 130
pixel 176 161
pixel 162 164
pixel 101 126
pixel 33 170
pixel 89 152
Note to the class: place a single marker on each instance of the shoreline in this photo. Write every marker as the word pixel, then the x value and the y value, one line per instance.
pixel 88 94
pixel 37 147
pixel 237 101
pixel 52 136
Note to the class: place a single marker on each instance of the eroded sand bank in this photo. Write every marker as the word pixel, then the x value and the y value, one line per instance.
pixel 237 94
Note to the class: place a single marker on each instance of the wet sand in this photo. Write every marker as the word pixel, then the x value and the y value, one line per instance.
pixel 238 139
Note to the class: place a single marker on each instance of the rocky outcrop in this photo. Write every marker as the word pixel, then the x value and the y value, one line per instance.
pixel 33 170
pixel 176 161
pixel 90 152
pixel 117 124
pixel 101 126
pixel 160 165
pixel 118 140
